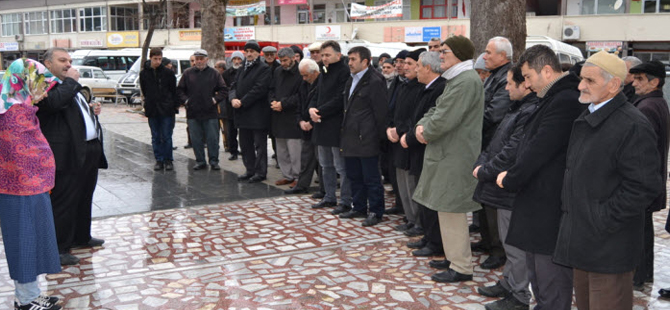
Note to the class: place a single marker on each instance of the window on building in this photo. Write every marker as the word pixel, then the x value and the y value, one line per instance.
pixel 162 21
pixel 11 24
pixel 63 21
pixel 36 22
pixel 319 14
pixel 656 6
pixel 406 10
pixel 123 18
pixel 268 16
pixel 438 9
pixel 590 7
pixel 93 19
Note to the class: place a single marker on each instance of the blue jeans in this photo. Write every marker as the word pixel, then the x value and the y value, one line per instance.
pixel 161 136
pixel 332 164
pixel 26 292
pixel 366 184
pixel 207 130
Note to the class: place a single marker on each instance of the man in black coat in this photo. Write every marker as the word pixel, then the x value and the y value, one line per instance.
pixel 499 156
pixel 363 128
pixel 497 57
pixel 537 175
pixel 284 101
pixel 252 113
pixel 72 129
pixel 159 87
pixel 611 177
pixel 628 88
pixel 201 88
pixel 648 80
pixel 428 74
pixel 326 111
pixel 229 77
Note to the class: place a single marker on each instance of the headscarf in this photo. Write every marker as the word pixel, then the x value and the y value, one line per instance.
pixel 25 82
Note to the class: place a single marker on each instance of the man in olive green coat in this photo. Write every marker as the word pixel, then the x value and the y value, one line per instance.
pixel 452 132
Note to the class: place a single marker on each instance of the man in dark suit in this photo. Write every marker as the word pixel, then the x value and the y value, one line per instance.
pixel 363 129
pixel 71 126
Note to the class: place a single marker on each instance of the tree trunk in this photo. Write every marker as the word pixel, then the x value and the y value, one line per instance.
pixel 490 18
pixel 213 22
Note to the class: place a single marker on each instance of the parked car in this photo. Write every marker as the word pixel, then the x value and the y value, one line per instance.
pixel 95 83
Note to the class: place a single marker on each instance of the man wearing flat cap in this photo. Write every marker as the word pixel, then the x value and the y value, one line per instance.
pixel 648 80
pixel 611 177
pixel 201 89
pixel 270 55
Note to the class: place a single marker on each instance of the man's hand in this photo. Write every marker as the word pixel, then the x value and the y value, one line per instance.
pixel 392 134
pixel 305 126
pixel 276 106
pixel 314 114
pixel 403 141
pixel 73 74
pixel 97 107
pixel 419 134
pixel 236 103
pixel 474 172
pixel 501 177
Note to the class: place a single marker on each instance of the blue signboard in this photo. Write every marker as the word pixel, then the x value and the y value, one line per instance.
pixel 431 32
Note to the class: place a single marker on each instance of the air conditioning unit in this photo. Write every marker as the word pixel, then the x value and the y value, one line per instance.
pixel 571 32
pixel 18 38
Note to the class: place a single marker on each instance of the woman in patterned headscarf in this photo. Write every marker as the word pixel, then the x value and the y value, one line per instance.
pixel 27 171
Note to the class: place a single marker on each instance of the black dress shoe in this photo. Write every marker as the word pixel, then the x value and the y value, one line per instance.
pixel 215 167
pixel 417 244
pixel 394 210
pixel 94 242
pixel 68 259
pixel 440 264
pixel 341 208
pixel 256 179
pixel 158 166
pixel 479 247
pixel 426 251
pixel 200 166
pixel 404 227
pixel 318 195
pixel 414 231
pixel 664 292
pixel 371 220
pixel 324 204
pixel 353 214
pixel 188 146
pixel 450 276
pixel 244 177
pixel 507 303
pixel 493 262
pixel 496 290
pixel 233 157
pixel 169 166
pixel 295 190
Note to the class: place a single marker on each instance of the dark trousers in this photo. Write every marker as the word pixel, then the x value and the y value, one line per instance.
pixel 431 228
pixel 551 283
pixel 308 165
pixel 599 291
pixel 254 145
pixel 488 225
pixel 644 271
pixel 71 200
pixel 231 136
pixel 366 184
pixel 161 136
pixel 205 130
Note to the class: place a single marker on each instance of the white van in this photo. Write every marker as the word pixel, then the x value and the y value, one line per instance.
pixel 566 53
pixel 114 63
pixel 129 84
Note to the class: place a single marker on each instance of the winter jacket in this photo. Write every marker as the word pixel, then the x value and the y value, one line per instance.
pixel 306 93
pixel 329 100
pixel 159 87
pixel 201 91
pixel 401 119
pixel 496 102
pixel 251 87
pixel 285 88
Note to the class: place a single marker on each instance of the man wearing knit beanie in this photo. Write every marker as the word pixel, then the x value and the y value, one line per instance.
pixel 612 176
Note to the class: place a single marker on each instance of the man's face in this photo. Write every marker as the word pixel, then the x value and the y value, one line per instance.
pixel 433 46
pixel 237 62
pixel 220 67
pixel 593 88
pixel 270 57
pixel 534 80
pixel 516 92
pixel 643 85
pixel 296 57
pixel 400 66
pixel 447 57
pixel 493 59
pixel 308 77
pixel 59 64
pixel 410 68
pixel 201 62
pixel 286 62
pixel 192 60
pixel 156 61
pixel 387 69
pixel 329 56
pixel 356 64
pixel 483 74
pixel 423 73
pixel 629 76
pixel 315 55
pixel 251 54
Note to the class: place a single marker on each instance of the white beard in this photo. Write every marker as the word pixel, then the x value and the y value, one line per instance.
pixel 390 76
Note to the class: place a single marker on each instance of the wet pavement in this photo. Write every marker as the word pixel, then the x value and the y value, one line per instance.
pixel 200 240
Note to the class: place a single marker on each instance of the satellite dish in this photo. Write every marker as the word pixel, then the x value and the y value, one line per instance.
pixel 617 4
